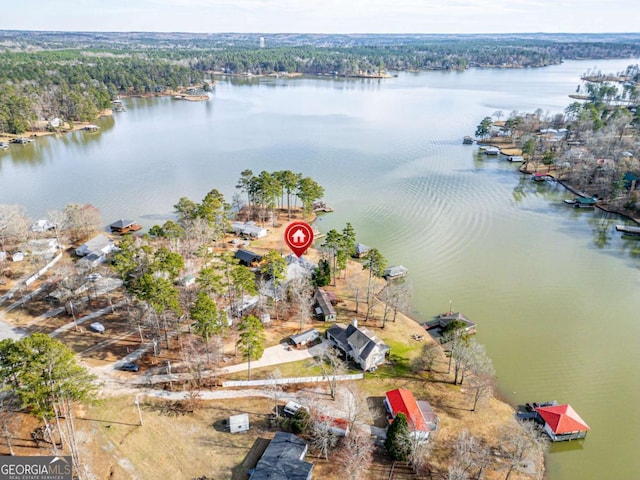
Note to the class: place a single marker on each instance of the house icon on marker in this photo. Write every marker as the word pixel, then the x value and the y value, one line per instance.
pixel 299 237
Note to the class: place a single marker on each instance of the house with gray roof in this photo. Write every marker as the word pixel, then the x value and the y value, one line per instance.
pixel 359 344
pixel 100 245
pixel 323 308
pixel 360 250
pixel 283 460
pixel 247 258
pixel 248 229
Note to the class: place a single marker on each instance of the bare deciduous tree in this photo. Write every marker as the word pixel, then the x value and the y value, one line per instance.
pixel 356 456
pixel 301 292
pixel 331 365
pixel 81 220
pixel 522 443
pixel 427 358
pixel 14 225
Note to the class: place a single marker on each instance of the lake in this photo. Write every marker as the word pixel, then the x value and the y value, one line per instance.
pixel 554 290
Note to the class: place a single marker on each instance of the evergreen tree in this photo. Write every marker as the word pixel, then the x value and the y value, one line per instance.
pixel 322 273
pixel 398 442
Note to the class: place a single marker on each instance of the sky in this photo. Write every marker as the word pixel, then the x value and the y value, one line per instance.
pixel 323 16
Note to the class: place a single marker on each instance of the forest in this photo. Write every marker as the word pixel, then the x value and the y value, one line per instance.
pixel 75 75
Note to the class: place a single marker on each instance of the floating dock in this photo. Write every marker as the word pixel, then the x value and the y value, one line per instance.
pixel 628 230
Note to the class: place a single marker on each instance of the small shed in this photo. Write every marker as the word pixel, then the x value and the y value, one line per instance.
pixel 239 423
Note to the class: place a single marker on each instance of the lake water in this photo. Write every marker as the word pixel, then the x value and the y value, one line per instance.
pixel 554 290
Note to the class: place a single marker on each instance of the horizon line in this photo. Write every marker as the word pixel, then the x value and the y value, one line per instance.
pixel 320 33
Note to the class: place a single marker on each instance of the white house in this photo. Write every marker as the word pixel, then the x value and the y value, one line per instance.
pixel 359 344
pixel 100 245
pixel 248 229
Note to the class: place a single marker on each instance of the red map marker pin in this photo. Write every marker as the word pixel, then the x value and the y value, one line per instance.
pixel 299 237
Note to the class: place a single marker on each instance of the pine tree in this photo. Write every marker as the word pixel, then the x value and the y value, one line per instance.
pixel 398 442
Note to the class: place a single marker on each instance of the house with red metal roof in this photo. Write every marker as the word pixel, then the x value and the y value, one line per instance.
pixel 562 422
pixel 420 417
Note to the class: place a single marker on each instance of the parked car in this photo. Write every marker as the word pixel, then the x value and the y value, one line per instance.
pixel 96 327
pixel 129 367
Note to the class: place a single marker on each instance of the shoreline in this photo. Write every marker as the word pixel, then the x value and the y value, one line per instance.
pixel 546 170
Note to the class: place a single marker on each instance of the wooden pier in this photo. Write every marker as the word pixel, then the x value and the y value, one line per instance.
pixel 628 230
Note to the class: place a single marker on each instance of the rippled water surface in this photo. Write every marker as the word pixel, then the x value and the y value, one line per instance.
pixel 555 291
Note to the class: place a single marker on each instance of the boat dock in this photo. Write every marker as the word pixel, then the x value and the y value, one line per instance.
pixel 560 422
pixel 628 230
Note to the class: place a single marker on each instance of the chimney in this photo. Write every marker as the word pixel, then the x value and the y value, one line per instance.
pixel 354 322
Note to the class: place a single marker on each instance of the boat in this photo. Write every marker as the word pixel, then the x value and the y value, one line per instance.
pixel 540 177
pixel 467 140
pixel 515 158
pixel 22 140
pixel 628 230
pixel 569 201
pixel 4 145
pixel 491 150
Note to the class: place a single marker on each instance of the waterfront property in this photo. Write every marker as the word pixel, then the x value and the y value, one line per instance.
pixel 283 459
pixel 562 422
pixel 584 202
pixel 438 326
pixel 491 150
pixel 124 226
pixel 420 416
pixel 100 245
pixel 396 271
pixel 360 250
pixel 359 344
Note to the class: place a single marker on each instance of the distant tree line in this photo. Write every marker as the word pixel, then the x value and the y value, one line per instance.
pixel 74 76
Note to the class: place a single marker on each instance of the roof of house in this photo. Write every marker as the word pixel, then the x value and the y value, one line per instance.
pixel 586 200
pixel 361 248
pixel 324 302
pixel 247 257
pixel 98 243
pixel 358 338
pixel 395 271
pixel 121 224
pixel 282 460
pixel 402 400
pixel 310 334
pixel 448 317
pixel 562 419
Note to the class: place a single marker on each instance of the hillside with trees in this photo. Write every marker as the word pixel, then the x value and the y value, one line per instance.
pixel 75 75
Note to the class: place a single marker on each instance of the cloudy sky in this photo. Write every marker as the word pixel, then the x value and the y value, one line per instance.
pixel 324 16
